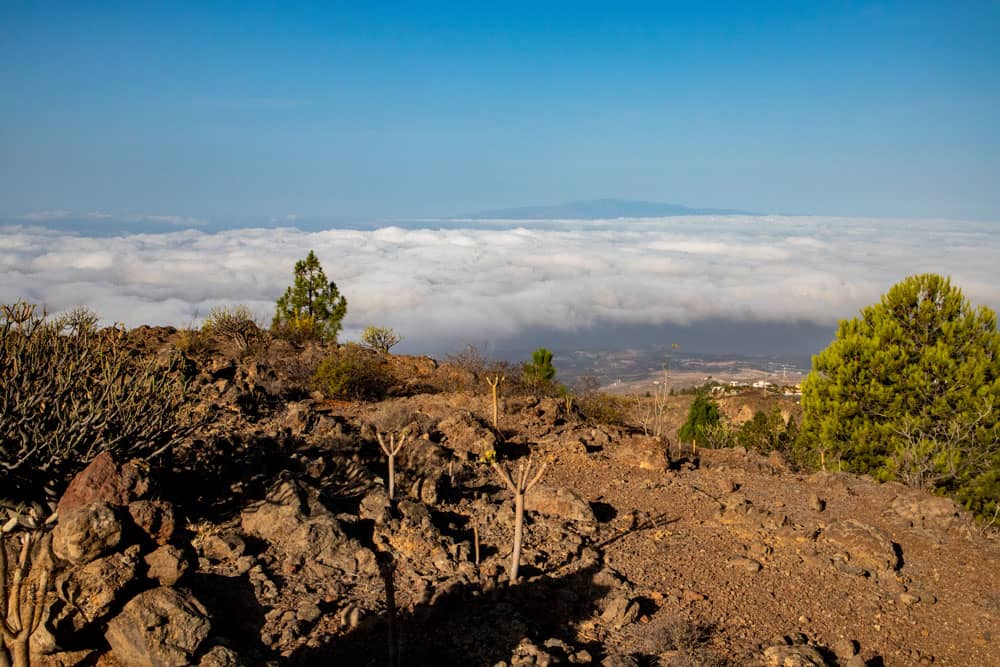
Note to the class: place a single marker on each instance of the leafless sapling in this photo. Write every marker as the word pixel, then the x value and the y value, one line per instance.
pixel 520 486
pixel 391 449
pixel 495 382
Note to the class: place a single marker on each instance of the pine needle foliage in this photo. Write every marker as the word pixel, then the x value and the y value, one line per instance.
pixel 702 416
pixel 540 369
pixel 910 390
pixel 312 307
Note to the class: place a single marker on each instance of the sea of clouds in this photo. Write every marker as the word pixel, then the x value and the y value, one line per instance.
pixel 443 287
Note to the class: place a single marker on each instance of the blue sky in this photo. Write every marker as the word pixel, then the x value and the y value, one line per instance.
pixel 270 110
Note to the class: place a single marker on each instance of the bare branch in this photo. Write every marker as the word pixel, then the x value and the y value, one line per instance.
pixel 505 476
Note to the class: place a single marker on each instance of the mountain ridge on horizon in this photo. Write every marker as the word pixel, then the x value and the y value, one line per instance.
pixel 597 209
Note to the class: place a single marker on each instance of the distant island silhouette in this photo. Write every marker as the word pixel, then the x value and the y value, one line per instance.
pixel 598 209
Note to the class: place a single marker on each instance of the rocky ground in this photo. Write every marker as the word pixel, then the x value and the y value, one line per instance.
pixel 268 538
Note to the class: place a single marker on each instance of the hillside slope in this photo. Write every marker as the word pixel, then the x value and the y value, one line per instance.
pixel 635 553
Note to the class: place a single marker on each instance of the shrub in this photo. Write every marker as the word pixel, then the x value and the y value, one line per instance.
pixel 380 339
pixel 470 360
pixel 702 415
pixel 539 370
pixel 312 308
pixel 766 433
pixel 236 323
pixel 352 373
pixel 79 320
pixel 604 408
pixel 471 370
pixel 910 390
pixel 68 394
pixel 461 370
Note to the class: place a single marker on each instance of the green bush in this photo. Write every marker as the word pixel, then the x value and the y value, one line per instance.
pixel 766 433
pixel 910 390
pixel 353 373
pixel 702 415
pixel 69 392
pixel 539 370
pixel 312 308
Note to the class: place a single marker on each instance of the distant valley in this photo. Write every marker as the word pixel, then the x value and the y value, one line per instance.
pixel 636 370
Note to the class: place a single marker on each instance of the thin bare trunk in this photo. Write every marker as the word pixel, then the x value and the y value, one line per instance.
pixel 392 476
pixel 518 535
pixel 390 450
pixel 475 541
pixel 494 386
pixel 20 655
pixel 520 487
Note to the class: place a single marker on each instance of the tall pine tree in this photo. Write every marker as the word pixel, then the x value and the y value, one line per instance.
pixel 312 307
pixel 910 390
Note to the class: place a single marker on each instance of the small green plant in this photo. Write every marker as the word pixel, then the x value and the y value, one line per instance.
pixel 352 373
pixel 236 323
pixel 766 432
pixel 312 308
pixel 703 415
pixel 380 339
pixel 539 370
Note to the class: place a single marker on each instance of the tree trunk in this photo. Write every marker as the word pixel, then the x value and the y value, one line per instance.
pixel 19 653
pixel 518 535
pixel 496 412
pixel 392 476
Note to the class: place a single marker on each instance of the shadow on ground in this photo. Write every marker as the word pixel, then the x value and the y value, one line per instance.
pixel 467 626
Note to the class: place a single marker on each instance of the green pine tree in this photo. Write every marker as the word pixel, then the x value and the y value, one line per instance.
pixel 540 369
pixel 910 390
pixel 702 415
pixel 312 307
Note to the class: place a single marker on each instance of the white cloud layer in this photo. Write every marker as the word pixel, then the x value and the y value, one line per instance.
pixel 443 287
pixel 58 215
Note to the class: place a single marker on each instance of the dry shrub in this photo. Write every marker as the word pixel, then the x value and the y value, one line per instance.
pixel 69 393
pixel 353 373
pixel 604 408
pixel 237 324
pixel 679 643
pixel 193 341
pixel 463 370
pixel 393 417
